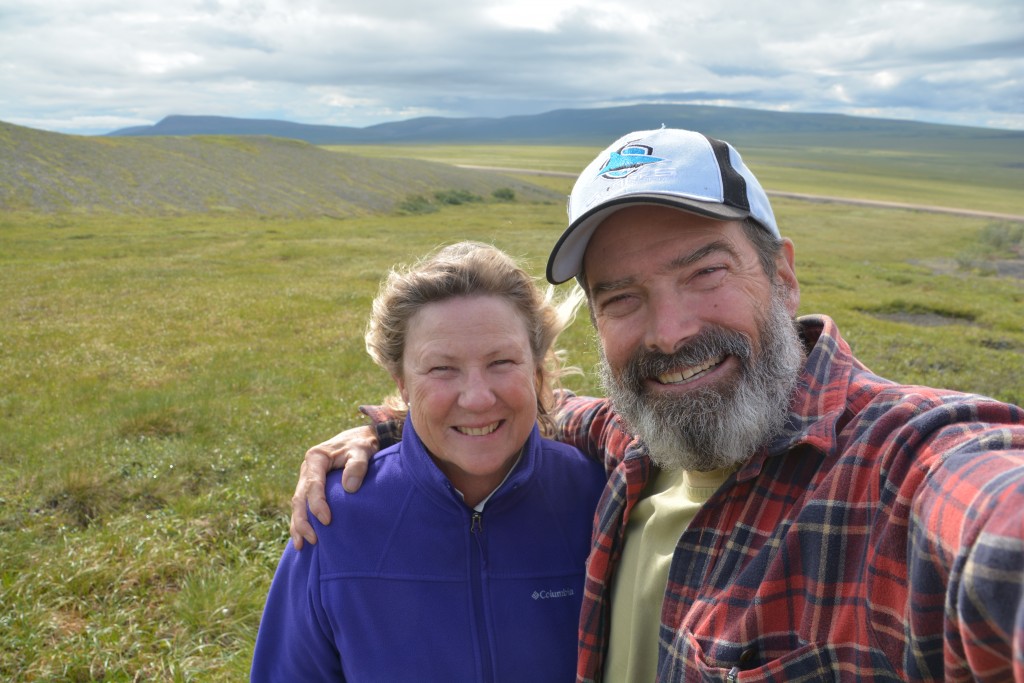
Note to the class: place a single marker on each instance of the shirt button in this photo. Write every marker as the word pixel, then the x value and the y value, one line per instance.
pixel 748 656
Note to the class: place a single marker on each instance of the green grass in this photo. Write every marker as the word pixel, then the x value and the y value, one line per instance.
pixel 162 378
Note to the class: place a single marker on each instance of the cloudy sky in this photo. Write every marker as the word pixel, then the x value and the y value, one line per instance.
pixel 92 66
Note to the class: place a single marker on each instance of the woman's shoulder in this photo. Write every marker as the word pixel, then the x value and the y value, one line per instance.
pixel 382 477
pixel 568 456
pixel 362 518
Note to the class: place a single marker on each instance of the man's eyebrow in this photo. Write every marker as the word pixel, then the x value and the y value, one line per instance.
pixel 718 246
pixel 611 285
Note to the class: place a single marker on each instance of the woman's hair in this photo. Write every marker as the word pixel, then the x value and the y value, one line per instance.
pixel 470 269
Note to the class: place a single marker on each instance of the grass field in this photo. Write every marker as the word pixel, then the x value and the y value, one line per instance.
pixel 162 378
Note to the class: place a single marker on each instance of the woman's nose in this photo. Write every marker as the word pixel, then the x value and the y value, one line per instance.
pixel 476 393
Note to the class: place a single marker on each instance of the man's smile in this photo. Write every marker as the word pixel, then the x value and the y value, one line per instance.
pixel 684 375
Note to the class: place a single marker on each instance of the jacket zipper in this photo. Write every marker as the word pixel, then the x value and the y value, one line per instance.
pixel 478 567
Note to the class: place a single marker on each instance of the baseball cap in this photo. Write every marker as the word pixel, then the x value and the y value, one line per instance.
pixel 669 166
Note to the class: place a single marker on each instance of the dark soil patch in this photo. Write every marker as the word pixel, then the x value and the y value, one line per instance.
pixel 923 319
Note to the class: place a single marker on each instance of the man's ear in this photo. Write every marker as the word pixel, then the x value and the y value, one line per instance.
pixel 785 269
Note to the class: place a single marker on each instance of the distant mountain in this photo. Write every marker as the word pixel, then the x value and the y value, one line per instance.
pixel 43 171
pixel 222 125
pixel 590 127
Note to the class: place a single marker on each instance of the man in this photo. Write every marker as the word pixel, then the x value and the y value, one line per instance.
pixel 784 514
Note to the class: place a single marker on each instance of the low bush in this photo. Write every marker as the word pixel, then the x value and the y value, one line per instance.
pixel 456 197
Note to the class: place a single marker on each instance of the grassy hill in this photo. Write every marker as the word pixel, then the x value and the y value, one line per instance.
pixel 51 172
pixel 846 156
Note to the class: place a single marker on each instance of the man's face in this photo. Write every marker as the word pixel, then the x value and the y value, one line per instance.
pixel 698 345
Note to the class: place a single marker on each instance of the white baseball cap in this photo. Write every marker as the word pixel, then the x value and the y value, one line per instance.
pixel 669 166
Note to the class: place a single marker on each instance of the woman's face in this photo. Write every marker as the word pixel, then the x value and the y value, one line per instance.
pixel 468 375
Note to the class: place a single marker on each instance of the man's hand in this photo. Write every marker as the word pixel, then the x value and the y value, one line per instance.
pixel 351 450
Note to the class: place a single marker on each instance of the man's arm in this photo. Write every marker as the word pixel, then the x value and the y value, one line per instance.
pixel 967 533
pixel 589 424
pixel 593 426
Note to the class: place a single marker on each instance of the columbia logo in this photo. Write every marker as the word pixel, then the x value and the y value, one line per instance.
pixel 547 595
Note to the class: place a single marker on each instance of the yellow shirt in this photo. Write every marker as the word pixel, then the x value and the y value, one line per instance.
pixel 656 522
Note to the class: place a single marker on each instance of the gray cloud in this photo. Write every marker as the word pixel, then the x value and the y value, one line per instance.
pixel 92 66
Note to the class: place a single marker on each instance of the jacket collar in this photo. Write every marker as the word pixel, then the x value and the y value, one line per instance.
pixel 429 477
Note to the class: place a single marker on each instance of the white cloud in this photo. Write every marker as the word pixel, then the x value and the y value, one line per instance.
pixel 73 65
pixel 532 15
pixel 157 63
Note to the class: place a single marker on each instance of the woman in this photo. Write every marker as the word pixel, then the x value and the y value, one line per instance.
pixel 462 556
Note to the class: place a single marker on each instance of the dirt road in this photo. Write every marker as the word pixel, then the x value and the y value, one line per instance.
pixel 808 197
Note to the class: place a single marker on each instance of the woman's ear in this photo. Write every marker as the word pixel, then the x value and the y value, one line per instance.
pixel 400 383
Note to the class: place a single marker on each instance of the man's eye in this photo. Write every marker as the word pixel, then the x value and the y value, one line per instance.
pixel 710 276
pixel 711 270
pixel 620 304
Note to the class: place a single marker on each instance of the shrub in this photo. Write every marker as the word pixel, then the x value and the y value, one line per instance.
pixel 416 204
pixel 456 197
pixel 1001 239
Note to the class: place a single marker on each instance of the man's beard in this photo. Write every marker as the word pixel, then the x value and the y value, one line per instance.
pixel 719 425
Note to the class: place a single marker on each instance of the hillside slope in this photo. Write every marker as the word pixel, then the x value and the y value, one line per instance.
pixel 42 171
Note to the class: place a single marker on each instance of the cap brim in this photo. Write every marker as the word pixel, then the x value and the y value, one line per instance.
pixel 566 259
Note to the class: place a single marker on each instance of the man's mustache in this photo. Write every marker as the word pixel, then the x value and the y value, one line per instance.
pixel 709 343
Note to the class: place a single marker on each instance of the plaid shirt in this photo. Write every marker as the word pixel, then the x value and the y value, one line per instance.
pixel 880 538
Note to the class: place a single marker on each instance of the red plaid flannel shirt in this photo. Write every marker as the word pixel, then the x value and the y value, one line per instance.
pixel 881 538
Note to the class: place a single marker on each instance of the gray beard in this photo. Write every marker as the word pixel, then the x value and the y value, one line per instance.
pixel 716 426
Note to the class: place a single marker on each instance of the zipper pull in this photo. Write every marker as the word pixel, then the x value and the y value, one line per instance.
pixel 476 525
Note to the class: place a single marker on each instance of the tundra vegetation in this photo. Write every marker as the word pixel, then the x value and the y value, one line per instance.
pixel 163 372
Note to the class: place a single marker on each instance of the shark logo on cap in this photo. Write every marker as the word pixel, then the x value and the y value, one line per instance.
pixel 629 158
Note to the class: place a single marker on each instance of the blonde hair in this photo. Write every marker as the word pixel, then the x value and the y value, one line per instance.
pixel 471 269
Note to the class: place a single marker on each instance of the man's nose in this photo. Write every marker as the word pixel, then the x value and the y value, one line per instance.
pixel 670 323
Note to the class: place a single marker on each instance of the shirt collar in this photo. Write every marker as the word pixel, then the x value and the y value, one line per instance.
pixel 821 395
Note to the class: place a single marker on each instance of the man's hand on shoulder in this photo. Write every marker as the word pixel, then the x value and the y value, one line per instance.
pixel 351 450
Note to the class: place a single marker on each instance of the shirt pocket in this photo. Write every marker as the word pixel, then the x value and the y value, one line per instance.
pixel 686 661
